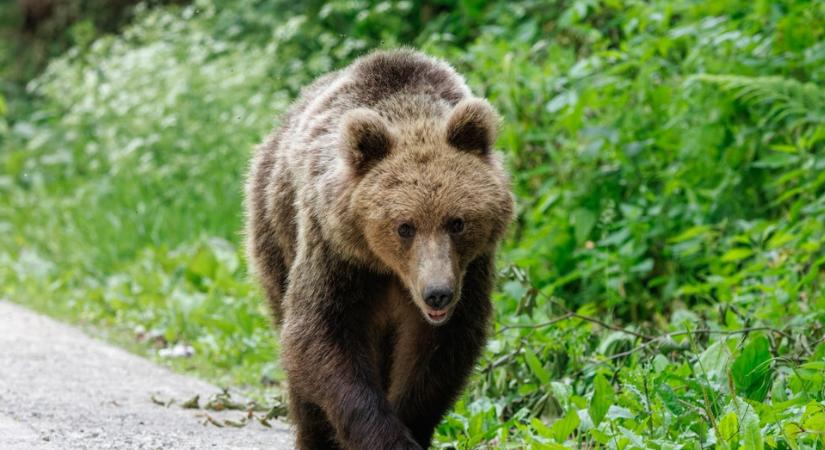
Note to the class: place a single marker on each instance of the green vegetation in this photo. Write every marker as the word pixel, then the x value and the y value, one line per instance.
pixel 664 286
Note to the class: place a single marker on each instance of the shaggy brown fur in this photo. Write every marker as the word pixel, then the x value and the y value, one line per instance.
pixel 373 217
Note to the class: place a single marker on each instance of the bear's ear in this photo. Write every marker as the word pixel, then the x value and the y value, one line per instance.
pixel 366 139
pixel 472 126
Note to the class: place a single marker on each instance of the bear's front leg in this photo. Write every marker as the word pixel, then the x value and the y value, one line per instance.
pixel 432 364
pixel 326 343
pixel 313 429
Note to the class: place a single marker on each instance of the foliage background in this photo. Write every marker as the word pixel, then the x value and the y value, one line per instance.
pixel 663 285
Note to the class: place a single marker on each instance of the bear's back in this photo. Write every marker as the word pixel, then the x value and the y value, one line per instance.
pixel 373 81
pixel 383 74
pixel 370 82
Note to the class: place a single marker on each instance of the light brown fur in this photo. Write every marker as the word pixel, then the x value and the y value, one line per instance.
pixel 395 140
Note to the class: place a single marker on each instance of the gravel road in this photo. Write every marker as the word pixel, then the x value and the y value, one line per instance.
pixel 60 389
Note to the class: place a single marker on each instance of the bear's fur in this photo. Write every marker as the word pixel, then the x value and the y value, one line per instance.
pixel 377 198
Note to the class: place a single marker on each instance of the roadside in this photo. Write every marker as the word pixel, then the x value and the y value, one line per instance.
pixel 61 389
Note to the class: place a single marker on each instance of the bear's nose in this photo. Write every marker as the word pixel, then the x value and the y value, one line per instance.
pixel 438 297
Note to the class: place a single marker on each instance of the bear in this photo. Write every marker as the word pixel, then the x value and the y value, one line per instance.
pixel 373 216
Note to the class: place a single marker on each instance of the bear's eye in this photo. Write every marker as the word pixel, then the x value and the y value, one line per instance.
pixel 455 226
pixel 406 230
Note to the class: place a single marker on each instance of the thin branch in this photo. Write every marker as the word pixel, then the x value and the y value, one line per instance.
pixel 728 332
pixel 666 336
pixel 538 325
pixel 571 315
pixel 614 327
pixel 647 338
pixel 632 350
pixel 591 319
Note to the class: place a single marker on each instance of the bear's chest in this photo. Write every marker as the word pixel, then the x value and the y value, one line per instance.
pixel 396 324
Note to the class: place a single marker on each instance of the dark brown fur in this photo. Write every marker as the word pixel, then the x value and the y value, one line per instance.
pixel 394 138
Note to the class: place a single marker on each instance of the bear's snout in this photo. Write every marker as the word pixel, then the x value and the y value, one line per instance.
pixel 438 297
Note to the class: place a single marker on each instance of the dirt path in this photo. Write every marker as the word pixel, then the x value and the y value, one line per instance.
pixel 60 389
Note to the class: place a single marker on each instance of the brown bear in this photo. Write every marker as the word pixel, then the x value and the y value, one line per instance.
pixel 374 212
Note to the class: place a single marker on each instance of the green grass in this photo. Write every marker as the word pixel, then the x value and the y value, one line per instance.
pixel 662 287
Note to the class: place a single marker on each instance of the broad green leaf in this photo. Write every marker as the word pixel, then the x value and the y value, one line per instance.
pixel 670 399
pixel 660 363
pixel 548 446
pixel 543 430
pixel 619 412
pixel 476 425
pixel 632 437
pixel 784 148
pixel 600 436
pixel 561 392
pixel 751 432
pixel 557 103
pixel 777 160
pixel 689 234
pixel 728 426
pixel 203 263
pixel 778 390
pixel 779 239
pixel 583 222
pixel 714 360
pixel 814 365
pixel 536 367
pixel 736 254
pixel 614 340
pixel 563 427
pixel 601 400
pixel 515 289
pixel 791 430
pixel 751 370
pixel 749 425
pixel 813 419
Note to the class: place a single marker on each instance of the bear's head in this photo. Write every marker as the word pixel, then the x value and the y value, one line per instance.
pixel 430 198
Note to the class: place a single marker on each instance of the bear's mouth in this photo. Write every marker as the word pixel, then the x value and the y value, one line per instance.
pixel 436 316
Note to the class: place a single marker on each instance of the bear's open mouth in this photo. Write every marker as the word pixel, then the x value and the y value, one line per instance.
pixel 436 316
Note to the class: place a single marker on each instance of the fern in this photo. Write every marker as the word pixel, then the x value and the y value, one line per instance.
pixel 801 106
